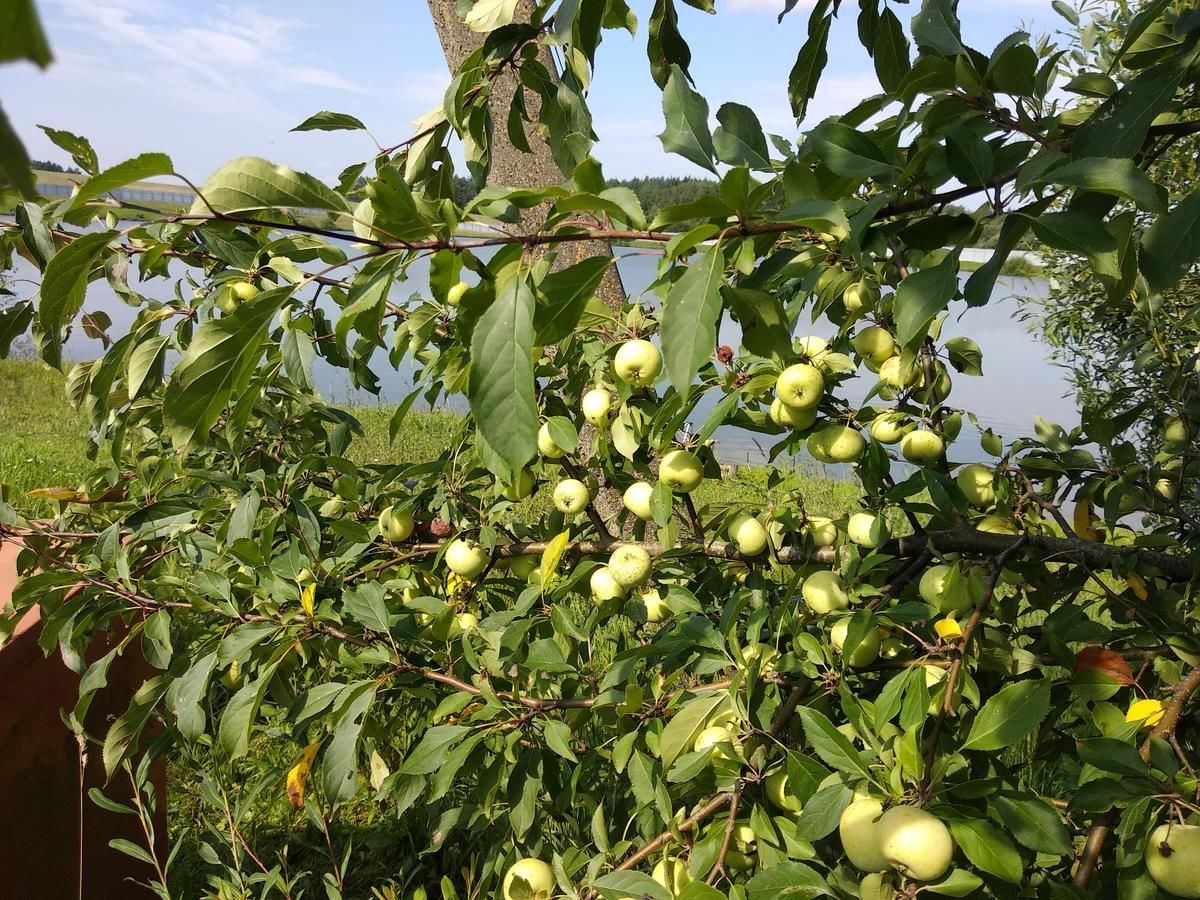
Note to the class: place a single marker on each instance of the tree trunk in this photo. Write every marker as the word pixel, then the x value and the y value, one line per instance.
pixel 512 167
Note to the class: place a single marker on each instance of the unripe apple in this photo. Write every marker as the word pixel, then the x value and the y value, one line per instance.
pixel 466 559
pixel 775 786
pixel 396 525
pixel 935 675
pixel 681 471
pixel 655 606
pixel 922 447
pixel 672 873
pixel 874 345
pixel 824 592
pixel 822 530
pixel 529 879
pixel 595 404
pixel 1176 429
pixel 991 443
pixel 764 654
pixel 940 389
pixel 876 887
pixel 791 417
pixel 464 623
pixel 637 499
pixel 867 650
pixel 867 530
pixel 630 566
pixel 890 428
pixel 800 386
pixel 857 828
pixel 521 487
pixel 604 586
pixel 812 347
pixel 836 444
pixel 749 535
pixel 915 843
pixel 861 296
pixel 571 496
pixel 455 294
pixel 243 290
pixel 895 374
pixel 996 525
pixel 1173 859
pixel 975 481
pixel 719 739
pixel 1167 488
pixel 638 363
pixel 892 648
pixel 546 445
pixel 522 566
pixel 965 594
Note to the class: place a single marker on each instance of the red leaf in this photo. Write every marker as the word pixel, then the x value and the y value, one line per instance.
pixel 1107 661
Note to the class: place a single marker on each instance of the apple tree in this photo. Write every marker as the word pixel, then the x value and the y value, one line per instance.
pixel 981 682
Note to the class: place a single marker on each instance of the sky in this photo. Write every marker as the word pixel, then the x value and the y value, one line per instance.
pixel 207 81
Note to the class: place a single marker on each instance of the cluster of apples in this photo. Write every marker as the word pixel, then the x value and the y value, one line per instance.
pixel 904 839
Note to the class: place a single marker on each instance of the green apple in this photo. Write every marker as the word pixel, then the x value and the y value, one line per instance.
pixel 455 294
pixel 876 887
pixel 858 829
pixel 243 290
pixel 791 417
pixel 934 676
pixel 1173 859
pixel 996 525
pixel 861 296
pixel 892 648
pixel 604 586
pixel 965 593
pixel 529 879
pixel 521 487
pixel 800 386
pixel 922 447
pixel 546 445
pixel 874 345
pixel 655 606
pixel 836 444
pixel 824 592
pixel 915 843
pixel 742 855
pixel 867 650
pixel 749 535
pixel 776 788
pixel 889 428
pixel 522 566
pixel 638 363
pixel 764 654
pixel 571 496
pixel 822 530
pixel 896 374
pixel 637 499
pixel 630 565
pixel 396 525
pixel 991 443
pixel 940 389
pixel 596 404
pixel 1176 429
pixel 463 623
pixel 672 873
pixel 975 481
pixel 681 471
pixel 1167 488
pixel 466 559
pixel 867 530
pixel 719 740
pixel 812 347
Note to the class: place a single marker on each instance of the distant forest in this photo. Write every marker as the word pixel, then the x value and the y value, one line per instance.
pixel 45 165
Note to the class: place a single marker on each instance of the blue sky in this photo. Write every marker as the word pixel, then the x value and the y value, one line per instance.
pixel 206 81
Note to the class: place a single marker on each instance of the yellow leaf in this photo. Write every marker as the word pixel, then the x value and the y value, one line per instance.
pixel 57 493
pixel 308 598
pixel 553 554
pixel 1083 519
pixel 1147 712
pixel 1138 585
pixel 299 775
pixel 947 628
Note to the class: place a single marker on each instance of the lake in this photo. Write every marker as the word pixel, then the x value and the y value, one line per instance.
pixel 1019 381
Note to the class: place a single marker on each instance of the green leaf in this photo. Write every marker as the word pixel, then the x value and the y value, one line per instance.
pixel 66 278
pixel 686 113
pixel 965 355
pixel 431 750
pixel 339 759
pixel 620 885
pixel 987 847
pixel 1111 755
pixel 849 152
pixel 129 848
pixel 788 879
pixel 190 692
pixel 831 745
pixel 956 883
pixel 78 146
pixel 137 169
pixel 14 322
pixel 1074 230
pixel 665 46
pixel 810 61
pixel 15 167
pixel 1115 177
pixel 21 34
pixel 689 720
pixel 739 139
pixel 216 365
pixel 821 811
pixel 890 52
pixel 488 15
pixel 921 296
pixel 1010 715
pixel 237 721
pixel 501 378
pixel 566 293
pixel 331 121
pixel 119 743
pixel 558 738
pixel 251 183
pixel 979 286
pixel 689 318
pixel 367 605
pixel 1034 823
pixel 698 890
pixel 1172 244
pixel 936 28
